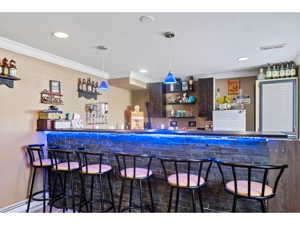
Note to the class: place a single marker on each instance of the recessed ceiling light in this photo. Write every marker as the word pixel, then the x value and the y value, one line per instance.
pixel 242 59
pixel 146 19
pixel 143 71
pixel 60 35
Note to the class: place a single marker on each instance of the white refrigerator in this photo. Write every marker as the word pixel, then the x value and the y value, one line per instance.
pixel 277 105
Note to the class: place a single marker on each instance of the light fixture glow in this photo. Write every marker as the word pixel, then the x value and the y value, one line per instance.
pixel 60 35
pixel 143 71
pixel 103 86
pixel 170 79
pixel 243 59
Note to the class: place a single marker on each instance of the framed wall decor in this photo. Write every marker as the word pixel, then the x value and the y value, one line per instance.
pixel 233 87
pixel 55 86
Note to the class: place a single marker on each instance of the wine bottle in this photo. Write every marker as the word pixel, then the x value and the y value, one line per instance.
pixel 288 70
pixel 293 70
pixel 282 71
pixel 269 72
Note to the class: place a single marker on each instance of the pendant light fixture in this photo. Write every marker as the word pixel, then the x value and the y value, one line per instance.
pixel 103 86
pixel 170 79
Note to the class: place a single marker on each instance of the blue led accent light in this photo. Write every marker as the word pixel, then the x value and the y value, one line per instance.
pixel 103 86
pixel 158 138
pixel 170 79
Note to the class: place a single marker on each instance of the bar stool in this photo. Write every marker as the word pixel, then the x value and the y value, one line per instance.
pixel 62 168
pixel 134 167
pixel 91 164
pixel 37 160
pixel 188 175
pixel 256 188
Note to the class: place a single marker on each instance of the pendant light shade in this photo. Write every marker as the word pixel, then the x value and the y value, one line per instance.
pixel 170 79
pixel 103 86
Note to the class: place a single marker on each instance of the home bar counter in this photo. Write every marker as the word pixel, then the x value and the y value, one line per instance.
pixel 239 147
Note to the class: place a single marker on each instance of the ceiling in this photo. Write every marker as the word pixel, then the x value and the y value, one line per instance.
pixel 205 43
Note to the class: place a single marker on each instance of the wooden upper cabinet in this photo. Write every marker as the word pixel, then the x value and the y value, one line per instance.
pixel 206 97
pixel 157 100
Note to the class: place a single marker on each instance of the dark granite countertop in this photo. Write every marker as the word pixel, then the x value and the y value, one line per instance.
pixel 184 132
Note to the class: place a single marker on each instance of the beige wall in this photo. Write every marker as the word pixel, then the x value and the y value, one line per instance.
pixel 248 86
pixel 18 115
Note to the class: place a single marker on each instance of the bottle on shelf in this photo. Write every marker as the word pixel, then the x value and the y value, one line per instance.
pixel 12 68
pixel 282 71
pixel 260 76
pixel 5 67
pixel 191 84
pixel 287 70
pixel 293 69
pixel 269 72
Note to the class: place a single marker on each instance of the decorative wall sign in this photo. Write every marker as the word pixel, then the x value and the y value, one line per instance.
pixel 233 87
pixel 54 96
pixel 55 86
pixel 87 88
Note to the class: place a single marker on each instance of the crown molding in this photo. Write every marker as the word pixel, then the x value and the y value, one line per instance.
pixel 23 49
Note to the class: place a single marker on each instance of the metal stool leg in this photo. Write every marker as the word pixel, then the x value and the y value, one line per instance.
pixel 65 192
pixel 92 194
pixel 141 195
pixel 111 192
pixel 130 196
pixel 101 193
pixel 234 203
pixel 31 189
pixel 193 200
pixel 263 206
pixel 177 199
pixel 44 190
pixel 72 190
pixel 200 200
pixel 170 200
pixel 53 190
pixel 151 196
pixel 121 195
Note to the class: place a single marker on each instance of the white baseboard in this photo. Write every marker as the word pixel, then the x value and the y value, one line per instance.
pixel 20 207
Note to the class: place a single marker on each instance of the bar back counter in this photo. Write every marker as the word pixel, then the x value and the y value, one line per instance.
pixel 247 147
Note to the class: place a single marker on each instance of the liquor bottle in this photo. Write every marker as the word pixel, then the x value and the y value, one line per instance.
pixel 83 85
pixel 282 71
pixel 293 69
pixel 79 84
pixel 5 67
pixel 191 84
pixel 12 68
pixel 273 71
pixel 261 75
pixel 287 70
pixel 88 85
pixel 269 72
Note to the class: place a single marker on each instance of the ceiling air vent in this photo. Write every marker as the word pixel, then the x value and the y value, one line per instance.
pixel 270 47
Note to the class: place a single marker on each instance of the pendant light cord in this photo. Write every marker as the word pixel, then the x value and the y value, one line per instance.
pixel 170 59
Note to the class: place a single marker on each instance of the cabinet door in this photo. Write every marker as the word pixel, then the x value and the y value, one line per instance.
pixel 157 100
pixel 206 99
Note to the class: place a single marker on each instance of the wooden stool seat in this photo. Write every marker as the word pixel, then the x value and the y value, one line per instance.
pixel 95 169
pixel 242 188
pixel 183 180
pixel 140 173
pixel 64 166
pixel 42 163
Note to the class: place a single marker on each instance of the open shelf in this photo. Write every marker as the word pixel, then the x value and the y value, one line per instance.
pixel 187 103
pixel 181 117
pixel 8 80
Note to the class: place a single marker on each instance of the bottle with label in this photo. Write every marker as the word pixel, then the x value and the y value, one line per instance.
pixel 88 85
pixel 5 67
pixel 281 71
pixel 288 70
pixel 12 68
pixel 269 72
pixel 191 84
pixel 261 75
pixel 274 71
pixel 293 70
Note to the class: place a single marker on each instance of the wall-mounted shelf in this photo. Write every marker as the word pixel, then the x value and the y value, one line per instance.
pixel 88 94
pixel 187 103
pixel 181 117
pixel 8 80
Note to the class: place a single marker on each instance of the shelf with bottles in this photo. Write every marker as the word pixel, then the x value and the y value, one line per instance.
pixel 8 72
pixel 52 98
pixel 87 88
pixel 181 86
pixel 180 113
pixel 181 99
pixel 96 113
pixel 278 71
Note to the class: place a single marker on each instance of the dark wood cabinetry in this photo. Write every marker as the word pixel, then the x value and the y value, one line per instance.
pixel 206 97
pixel 157 100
